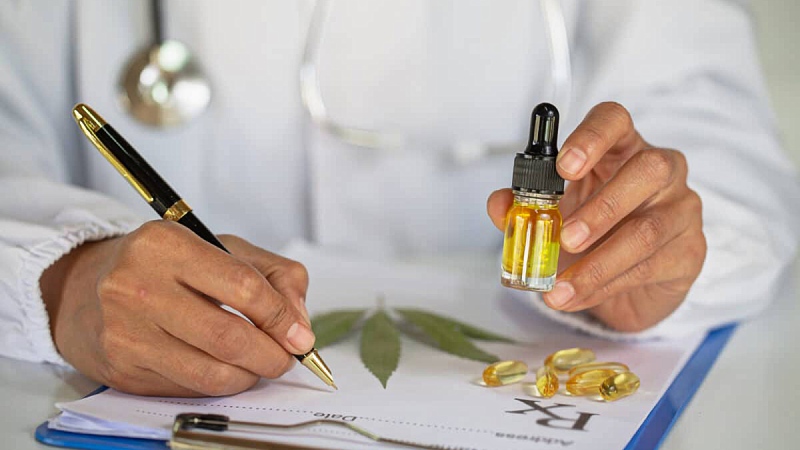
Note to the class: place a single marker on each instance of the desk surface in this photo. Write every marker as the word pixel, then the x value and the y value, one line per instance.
pixel 744 402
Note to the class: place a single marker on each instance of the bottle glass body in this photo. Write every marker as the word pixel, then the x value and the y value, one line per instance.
pixel 531 244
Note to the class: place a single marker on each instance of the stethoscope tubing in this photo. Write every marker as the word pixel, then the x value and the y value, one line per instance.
pixel 388 140
pixel 311 94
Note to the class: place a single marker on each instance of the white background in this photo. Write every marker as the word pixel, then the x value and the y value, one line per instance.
pixel 749 395
pixel 778 36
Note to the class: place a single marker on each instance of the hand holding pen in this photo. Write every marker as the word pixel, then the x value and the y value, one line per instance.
pixel 133 312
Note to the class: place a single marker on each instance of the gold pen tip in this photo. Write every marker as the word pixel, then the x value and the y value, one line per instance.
pixel 314 362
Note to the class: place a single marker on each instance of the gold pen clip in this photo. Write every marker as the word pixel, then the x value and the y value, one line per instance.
pixel 90 122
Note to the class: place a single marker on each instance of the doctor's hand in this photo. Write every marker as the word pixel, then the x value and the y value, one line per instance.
pixel 632 239
pixel 135 312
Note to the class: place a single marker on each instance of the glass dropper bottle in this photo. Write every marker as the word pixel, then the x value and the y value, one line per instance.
pixel 533 223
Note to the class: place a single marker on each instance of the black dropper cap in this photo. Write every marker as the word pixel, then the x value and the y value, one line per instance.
pixel 535 168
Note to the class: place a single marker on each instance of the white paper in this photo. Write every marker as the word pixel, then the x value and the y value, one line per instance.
pixel 431 398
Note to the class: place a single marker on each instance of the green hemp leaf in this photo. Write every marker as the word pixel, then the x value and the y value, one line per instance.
pixel 380 336
pixel 380 346
pixel 461 327
pixel 446 336
pixel 333 326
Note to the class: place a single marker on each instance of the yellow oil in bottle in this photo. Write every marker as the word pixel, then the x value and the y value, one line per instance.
pixel 531 245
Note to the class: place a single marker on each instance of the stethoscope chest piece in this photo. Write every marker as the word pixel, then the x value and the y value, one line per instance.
pixel 162 85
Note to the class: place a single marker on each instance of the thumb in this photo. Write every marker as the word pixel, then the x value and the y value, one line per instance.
pixel 497 206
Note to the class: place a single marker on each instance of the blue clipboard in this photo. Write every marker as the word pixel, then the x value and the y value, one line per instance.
pixel 66 439
pixel 663 416
pixel 650 435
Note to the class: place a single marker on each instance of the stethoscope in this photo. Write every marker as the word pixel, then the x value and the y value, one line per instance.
pixel 163 85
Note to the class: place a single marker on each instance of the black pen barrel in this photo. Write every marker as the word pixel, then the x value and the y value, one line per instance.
pixel 163 195
pixel 189 220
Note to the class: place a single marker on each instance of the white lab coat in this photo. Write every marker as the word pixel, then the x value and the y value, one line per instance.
pixel 441 71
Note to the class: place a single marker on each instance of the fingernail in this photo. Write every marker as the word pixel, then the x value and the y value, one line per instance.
pixel 574 234
pixel 300 337
pixel 561 294
pixel 572 160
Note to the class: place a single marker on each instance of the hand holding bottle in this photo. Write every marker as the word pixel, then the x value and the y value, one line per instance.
pixel 632 235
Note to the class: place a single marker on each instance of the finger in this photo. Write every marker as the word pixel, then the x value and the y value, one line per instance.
pixel 287 276
pixel 244 288
pixel 223 335
pixel 675 266
pixel 636 310
pixel 123 360
pixel 497 206
pixel 233 282
pixel 195 370
pixel 606 126
pixel 634 241
pixel 646 174
pixel 150 383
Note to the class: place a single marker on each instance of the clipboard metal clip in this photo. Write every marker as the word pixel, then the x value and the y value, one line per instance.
pixel 196 431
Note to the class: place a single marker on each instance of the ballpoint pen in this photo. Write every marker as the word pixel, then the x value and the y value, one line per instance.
pixel 161 197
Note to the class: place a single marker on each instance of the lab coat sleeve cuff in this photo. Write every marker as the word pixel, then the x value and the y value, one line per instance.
pixel 585 322
pixel 34 261
pixel 703 308
pixel 677 324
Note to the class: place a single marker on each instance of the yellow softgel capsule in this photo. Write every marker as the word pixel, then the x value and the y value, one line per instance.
pixel 564 360
pixel 618 386
pixel 504 372
pixel 546 381
pixel 588 382
pixel 615 366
